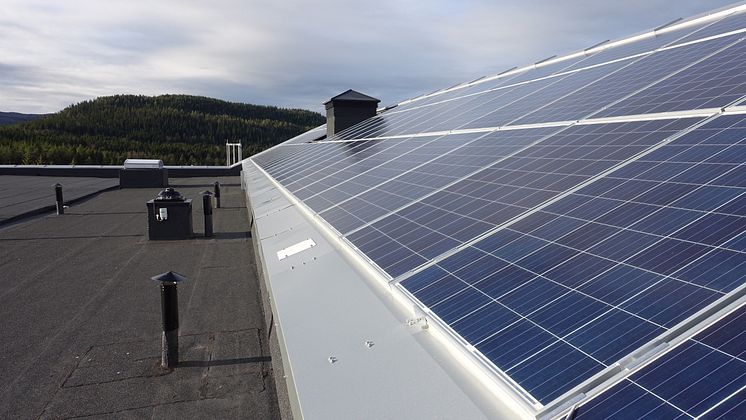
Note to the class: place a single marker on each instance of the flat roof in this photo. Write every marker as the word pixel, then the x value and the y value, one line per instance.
pixel 25 195
pixel 82 324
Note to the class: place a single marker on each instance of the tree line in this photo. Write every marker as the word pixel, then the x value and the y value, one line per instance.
pixel 179 129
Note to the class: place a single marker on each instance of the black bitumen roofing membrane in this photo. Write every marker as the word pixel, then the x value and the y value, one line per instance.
pixel 81 321
pixel 24 195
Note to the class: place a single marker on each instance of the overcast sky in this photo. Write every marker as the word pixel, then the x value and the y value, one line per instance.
pixel 292 53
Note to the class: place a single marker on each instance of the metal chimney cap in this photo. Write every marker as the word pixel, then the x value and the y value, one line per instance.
pixel 169 194
pixel 169 277
pixel 205 192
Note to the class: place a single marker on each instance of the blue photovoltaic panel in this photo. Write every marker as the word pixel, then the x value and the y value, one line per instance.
pixel 389 152
pixel 276 160
pixel 530 100
pixel 459 110
pixel 496 194
pixel 703 377
pixel 531 74
pixel 309 158
pixel 333 185
pixel 732 22
pixel 467 108
pixel 624 82
pixel 641 46
pixel 473 102
pixel 605 269
pixel 414 182
pixel 494 108
pixel 714 83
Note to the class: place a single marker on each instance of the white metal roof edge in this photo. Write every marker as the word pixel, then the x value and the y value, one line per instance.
pixel 697 19
pixel 492 379
pixel 436 368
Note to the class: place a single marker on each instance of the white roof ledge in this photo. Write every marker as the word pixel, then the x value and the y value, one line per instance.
pixel 349 348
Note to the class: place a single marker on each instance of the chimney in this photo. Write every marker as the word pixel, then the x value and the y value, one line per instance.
pixel 348 109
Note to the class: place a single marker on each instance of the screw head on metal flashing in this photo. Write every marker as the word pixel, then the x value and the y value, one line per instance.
pixel 169 277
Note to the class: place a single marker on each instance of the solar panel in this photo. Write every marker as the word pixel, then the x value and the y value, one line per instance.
pixel 554 245
pixel 496 194
pixel 428 118
pixel 360 173
pixel 641 46
pixel 416 181
pixel 713 83
pixel 513 78
pixel 527 98
pixel 644 45
pixel 626 81
pixel 605 269
pixel 464 97
pixel 732 22
pixel 703 377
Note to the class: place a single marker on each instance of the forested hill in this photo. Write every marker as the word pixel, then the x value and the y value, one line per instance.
pixel 180 129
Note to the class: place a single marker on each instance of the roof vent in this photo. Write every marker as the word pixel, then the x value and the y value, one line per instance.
pixel 347 109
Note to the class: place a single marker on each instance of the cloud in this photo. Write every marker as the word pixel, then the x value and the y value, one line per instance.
pixel 290 53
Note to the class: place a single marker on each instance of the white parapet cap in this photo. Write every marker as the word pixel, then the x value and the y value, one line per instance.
pixel 143 164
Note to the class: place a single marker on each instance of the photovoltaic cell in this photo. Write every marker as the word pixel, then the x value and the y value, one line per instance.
pixel 530 74
pixel 703 377
pixel 713 83
pixel 607 268
pixel 415 182
pixel 472 206
pixel 533 99
pixel 644 45
pixel 626 81
pixel 462 110
pixel 334 185
pixel 388 155
pixel 641 46
pixel 732 22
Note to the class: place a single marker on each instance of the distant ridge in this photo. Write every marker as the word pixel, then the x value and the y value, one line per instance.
pixel 180 129
pixel 17 117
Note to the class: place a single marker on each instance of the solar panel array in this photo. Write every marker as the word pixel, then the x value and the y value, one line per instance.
pixel 551 240
pixel 700 378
